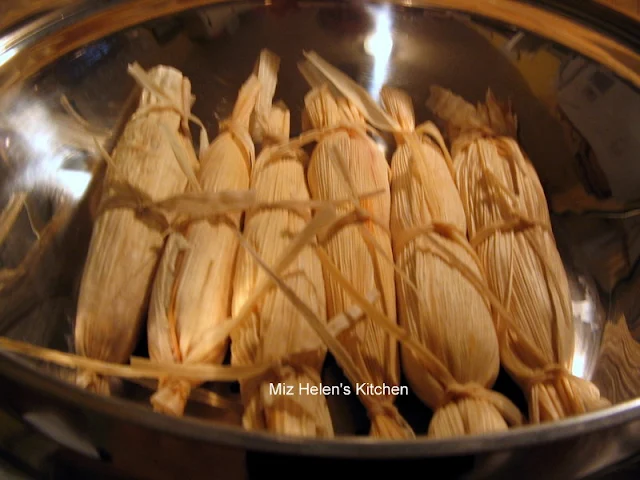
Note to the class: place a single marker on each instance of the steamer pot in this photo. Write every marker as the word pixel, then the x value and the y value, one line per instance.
pixel 572 71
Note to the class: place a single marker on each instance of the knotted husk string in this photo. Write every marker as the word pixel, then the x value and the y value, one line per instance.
pixel 510 227
pixel 276 329
pixel 429 128
pixel 342 324
pixel 360 245
pixel 439 375
pixel 444 382
pixel 183 108
pixel 142 368
pixel 256 391
pixel 200 396
pixel 448 315
pixel 552 391
pixel 123 251
pixel 175 213
pixel 401 128
pixel 192 290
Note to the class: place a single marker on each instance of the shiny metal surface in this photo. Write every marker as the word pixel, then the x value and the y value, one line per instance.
pixel 81 53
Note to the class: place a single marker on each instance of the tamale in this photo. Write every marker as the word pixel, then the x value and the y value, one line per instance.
pixel 509 226
pixel 445 312
pixel 276 329
pixel 192 292
pixel 124 250
pixel 359 167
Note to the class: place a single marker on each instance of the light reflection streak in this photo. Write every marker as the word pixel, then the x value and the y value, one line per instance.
pixel 46 150
pixel 379 45
pixel 584 319
pixel 6 52
pixel 74 182
pixel 7 55
pixel 579 364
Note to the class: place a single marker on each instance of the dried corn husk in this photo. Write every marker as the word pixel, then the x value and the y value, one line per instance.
pixel 192 291
pixel 446 312
pixel 139 367
pixel 509 226
pixel 144 368
pixel 347 163
pixel 443 384
pixel 276 329
pixel 124 251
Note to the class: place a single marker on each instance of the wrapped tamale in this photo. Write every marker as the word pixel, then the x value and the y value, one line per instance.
pixel 276 330
pixel 445 312
pixel 192 292
pixel 347 163
pixel 124 249
pixel 509 226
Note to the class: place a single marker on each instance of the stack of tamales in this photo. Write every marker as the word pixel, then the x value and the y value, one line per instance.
pixel 446 259
pixel 509 226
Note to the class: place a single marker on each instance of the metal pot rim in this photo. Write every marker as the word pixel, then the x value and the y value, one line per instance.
pixel 29 36
pixel 19 370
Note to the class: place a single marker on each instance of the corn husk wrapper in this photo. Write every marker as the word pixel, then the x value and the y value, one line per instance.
pixel 192 291
pixel 345 163
pixel 442 384
pixel 142 368
pixel 276 329
pixel 124 250
pixel 509 226
pixel 446 312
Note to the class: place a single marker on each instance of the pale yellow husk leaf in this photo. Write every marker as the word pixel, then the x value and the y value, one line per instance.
pixel 447 314
pixel 359 166
pixel 320 71
pixel 124 251
pixel 139 367
pixel 192 291
pixel 509 225
pixel 276 329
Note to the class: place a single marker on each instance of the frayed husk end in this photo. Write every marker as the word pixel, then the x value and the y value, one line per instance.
pixel 298 415
pixel 400 107
pixel 563 396
pixel 490 118
pixel 390 425
pixel 266 70
pixel 469 416
pixel 454 110
pixel 500 115
pixel 93 382
pixel 321 109
pixel 317 71
pixel 123 243
pixel 171 397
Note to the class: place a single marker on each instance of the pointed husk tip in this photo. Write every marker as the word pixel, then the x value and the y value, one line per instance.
pixel 171 397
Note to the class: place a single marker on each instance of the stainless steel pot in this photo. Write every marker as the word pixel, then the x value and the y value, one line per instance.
pixel 572 70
